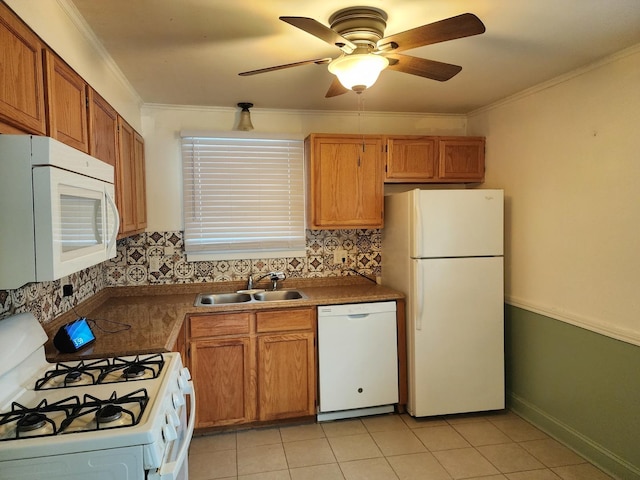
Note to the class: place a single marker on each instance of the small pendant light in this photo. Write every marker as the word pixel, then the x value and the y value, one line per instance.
pixel 245 117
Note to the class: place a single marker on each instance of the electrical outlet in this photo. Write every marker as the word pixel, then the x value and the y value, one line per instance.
pixel 67 290
pixel 340 256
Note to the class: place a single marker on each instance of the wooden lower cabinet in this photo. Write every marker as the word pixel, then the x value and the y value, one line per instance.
pixel 286 375
pixel 252 366
pixel 222 369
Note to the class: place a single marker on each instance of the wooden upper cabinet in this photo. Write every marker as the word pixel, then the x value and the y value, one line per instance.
pixel 411 159
pixel 125 182
pixel 22 104
pixel 103 129
pixel 130 180
pixel 140 182
pixel 345 181
pixel 417 159
pixel 66 103
pixel 461 158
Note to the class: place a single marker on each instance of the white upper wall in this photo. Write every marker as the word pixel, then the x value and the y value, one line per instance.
pixel 62 28
pixel 567 154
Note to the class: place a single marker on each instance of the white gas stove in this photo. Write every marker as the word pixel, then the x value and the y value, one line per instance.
pixel 114 418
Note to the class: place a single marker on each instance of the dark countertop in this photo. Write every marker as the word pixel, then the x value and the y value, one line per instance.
pixel 156 313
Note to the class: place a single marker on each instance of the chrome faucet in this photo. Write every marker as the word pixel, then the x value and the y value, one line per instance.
pixel 273 276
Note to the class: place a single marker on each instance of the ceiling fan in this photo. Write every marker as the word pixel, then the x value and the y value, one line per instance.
pixel 358 32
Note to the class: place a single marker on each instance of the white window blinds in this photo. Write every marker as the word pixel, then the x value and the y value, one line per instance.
pixel 242 196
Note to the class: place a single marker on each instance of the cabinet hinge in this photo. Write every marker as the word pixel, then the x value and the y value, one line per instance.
pixel 386 168
pixel 86 102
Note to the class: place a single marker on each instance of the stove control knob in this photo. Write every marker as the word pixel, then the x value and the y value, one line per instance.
pixel 172 418
pixel 184 382
pixel 169 433
pixel 178 400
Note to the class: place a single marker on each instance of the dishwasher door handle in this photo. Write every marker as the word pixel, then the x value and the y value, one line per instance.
pixel 358 315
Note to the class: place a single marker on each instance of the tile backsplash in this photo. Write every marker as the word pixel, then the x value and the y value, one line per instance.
pixel 154 258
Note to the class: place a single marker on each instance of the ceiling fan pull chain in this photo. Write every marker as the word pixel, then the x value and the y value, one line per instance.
pixel 360 112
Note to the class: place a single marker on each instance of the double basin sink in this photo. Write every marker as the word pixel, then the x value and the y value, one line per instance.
pixel 207 299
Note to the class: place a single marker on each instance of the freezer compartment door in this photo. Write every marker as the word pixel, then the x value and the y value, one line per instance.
pixel 358 361
pixel 456 336
pixel 457 223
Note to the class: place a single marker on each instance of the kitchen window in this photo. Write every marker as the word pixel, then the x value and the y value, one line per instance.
pixel 243 197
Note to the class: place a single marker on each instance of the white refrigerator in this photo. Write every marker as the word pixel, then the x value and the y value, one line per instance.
pixel 444 250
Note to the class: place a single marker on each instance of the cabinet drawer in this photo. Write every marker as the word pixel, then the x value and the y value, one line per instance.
pixel 284 320
pixel 219 324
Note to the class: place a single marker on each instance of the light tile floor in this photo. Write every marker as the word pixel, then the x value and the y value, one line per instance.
pixel 485 446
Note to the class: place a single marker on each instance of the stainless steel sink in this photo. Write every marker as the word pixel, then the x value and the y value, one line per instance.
pixel 208 299
pixel 275 295
pixel 204 299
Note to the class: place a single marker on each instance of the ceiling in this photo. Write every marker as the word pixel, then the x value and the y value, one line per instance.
pixel 189 52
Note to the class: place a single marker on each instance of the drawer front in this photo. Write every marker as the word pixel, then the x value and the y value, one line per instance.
pixel 219 324
pixel 285 320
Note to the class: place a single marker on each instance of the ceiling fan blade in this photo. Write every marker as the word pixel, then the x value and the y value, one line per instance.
pixel 464 25
pixel 336 89
pixel 422 67
pixel 321 31
pixel 319 61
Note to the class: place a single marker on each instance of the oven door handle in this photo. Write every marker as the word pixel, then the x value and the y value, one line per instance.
pixel 168 471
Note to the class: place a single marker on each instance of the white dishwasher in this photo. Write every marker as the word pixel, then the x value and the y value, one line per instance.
pixel 358 359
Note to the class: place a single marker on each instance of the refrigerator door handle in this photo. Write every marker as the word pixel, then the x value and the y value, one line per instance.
pixel 417 233
pixel 419 297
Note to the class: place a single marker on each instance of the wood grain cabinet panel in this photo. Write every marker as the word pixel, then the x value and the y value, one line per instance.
pixel 130 180
pixel 66 103
pixel 283 320
pixel 219 324
pixel 242 375
pixel 103 129
pixel 222 371
pixel 22 99
pixel 461 158
pixel 286 375
pixel 418 159
pixel 345 181
pixel 140 178
pixel 411 159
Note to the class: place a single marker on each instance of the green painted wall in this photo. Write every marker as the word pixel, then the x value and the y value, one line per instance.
pixel 581 387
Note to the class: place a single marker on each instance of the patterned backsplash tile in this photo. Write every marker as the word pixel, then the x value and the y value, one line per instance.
pixel 154 258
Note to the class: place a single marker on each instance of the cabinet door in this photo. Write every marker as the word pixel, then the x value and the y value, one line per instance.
pixel 286 375
pixel 103 129
pixel 346 185
pixel 66 103
pixel 461 158
pixel 411 159
pixel 140 182
pixel 21 76
pixel 125 185
pixel 222 372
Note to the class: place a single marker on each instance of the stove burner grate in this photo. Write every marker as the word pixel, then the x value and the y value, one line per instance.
pixel 102 371
pixel 105 413
pixel 35 422
pixel 68 375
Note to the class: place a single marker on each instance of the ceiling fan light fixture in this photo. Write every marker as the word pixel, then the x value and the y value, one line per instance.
pixel 245 117
pixel 358 72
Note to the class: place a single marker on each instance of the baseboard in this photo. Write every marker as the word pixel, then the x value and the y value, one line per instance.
pixel 582 445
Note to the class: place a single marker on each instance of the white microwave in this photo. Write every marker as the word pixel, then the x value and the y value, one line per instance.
pixel 57 210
